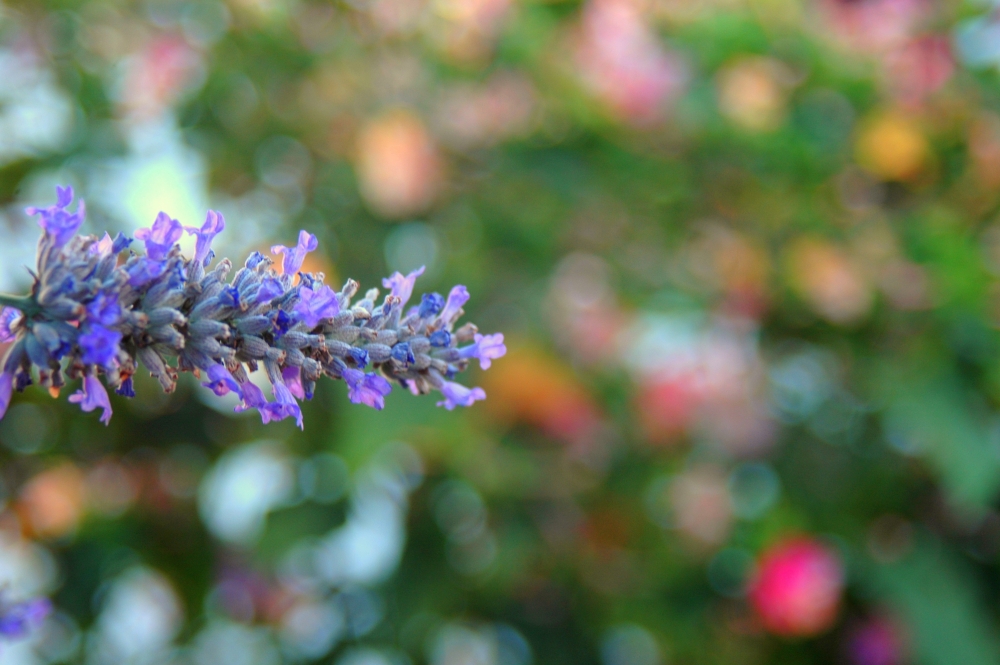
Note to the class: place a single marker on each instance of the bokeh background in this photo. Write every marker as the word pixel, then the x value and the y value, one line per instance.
pixel 746 254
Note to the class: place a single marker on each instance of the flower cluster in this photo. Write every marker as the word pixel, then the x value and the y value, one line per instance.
pixel 94 313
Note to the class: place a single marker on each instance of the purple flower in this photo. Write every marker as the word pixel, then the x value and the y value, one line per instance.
pixel 293 379
pixel 126 389
pixel 104 309
pixel 230 296
pixel 221 381
pixel 459 296
pixel 121 243
pixel 144 271
pixel 402 287
pixel 269 289
pixel 359 356
pixel 253 397
pixel 103 247
pixel 455 394
pixel 367 389
pixel 93 396
pixel 314 306
pixel 18 619
pixel 255 260
pixel 57 222
pixel 213 226
pixel 160 239
pixel 99 345
pixel 281 322
pixel 294 256
pixel 430 304
pixel 7 317
pixel 285 406
pixel 440 339
pixel 6 388
pixel 486 348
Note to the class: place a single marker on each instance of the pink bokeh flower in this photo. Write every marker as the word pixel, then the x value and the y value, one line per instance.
pixel 797 588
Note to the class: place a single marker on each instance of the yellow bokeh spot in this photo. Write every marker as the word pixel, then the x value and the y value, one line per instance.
pixel 892 147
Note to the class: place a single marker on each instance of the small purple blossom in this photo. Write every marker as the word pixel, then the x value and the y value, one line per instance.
pixel 294 256
pixel 230 296
pixel 99 346
pixel 253 398
pixel 293 379
pixel 57 222
pixel 314 306
pixel 104 309
pixel 255 260
pixel 144 271
pixel 459 296
pixel 368 389
pixel 430 304
pixel 93 396
pixel 103 247
pixel 213 226
pixel 161 237
pixel 17 620
pixel 359 356
pixel 486 348
pixel 270 288
pixel 126 389
pixel 8 315
pixel 402 287
pixel 285 406
pixel 440 339
pixel 6 388
pixel 455 394
pixel 403 353
pixel 220 381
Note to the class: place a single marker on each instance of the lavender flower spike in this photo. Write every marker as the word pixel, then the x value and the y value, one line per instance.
pixel 91 316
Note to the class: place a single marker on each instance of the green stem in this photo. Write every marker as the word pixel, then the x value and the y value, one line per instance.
pixel 25 304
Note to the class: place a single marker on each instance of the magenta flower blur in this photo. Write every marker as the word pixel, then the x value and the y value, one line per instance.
pixel 161 238
pixel 18 620
pixel 213 226
pixel 316 305
pixel 455 394
pixel 99 346
pixel 486 349
pixel 294 256
pixel 93 396
pixel 59 224
pixel 402 287
pixel 368 389
pixel 91 316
